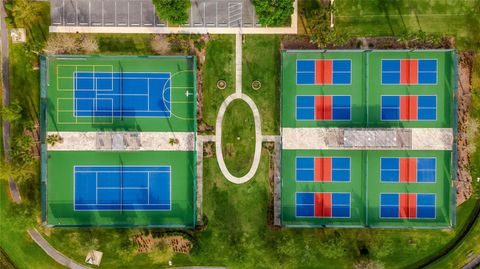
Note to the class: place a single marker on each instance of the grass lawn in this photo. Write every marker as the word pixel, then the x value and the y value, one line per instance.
pixel 219 64
pixel 14 240
pixel 261 61
pixel 237 234
pixel 238 137
pixel 458 18
pixel 463 252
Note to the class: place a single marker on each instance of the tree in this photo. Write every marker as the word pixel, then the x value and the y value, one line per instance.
pixel 12 113
pixel 173 11
pixel 273 12
pixel 25 12
pixel 319 29
pixel 381 247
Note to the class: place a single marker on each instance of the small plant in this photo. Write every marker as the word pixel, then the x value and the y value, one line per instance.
pixel 53 139
pixel 173 141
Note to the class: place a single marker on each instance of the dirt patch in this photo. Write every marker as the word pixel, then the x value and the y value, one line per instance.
pixel 200 53
pixel 270 147
pixel 464 95
pixel 209 149
pixel 290 42
pixel 146 243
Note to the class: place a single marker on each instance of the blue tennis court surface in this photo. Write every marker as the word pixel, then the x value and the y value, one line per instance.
pixel 323 204
pixel 411 108
pixel 407 205
pixel 107 94
pixel 409 71
pixel 323 107
pixel 122 188
pixel 336 72
pixel 421 170
pixel 323 169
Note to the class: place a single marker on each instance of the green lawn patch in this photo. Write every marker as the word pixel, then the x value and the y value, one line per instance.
pixel 238 137
pixel 219 64
pixel 14 240
pixel 387 18
pixel 261 61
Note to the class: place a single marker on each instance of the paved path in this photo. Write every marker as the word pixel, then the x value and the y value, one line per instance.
pixel 6 101
pixel 238 63
pixel 473 263
pixel 52 252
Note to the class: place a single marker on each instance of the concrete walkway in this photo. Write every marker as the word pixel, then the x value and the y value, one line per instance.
pixel 6 101
pixel 473 263
pixel 52 252
pixel 256 116
pixel 258 138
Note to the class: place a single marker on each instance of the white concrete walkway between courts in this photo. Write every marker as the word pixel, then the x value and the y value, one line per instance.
pixel 94 141
pixel 368 138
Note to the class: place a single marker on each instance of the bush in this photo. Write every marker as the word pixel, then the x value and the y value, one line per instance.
pixel 70 44
pixel 11 113
pixel 21 150
pixel 273 12
pixel 173 11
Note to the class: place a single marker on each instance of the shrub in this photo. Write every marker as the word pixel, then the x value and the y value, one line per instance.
pixel 319 29
pixel 273 12
pixel 11 113
pixel 173 11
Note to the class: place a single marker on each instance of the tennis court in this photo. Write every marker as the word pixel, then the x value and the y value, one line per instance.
pixel 322 169
pixel 149 93
pixel 122 94
pixel 373 188
pixel 408 108
pixel 326 107
pixel 412 89
pixel 407 205
pixel 322 205
pixel 408 169
pixel 115 164
pixel 122 188
pixel 409 71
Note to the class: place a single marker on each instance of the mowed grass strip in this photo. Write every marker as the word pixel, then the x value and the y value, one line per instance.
pixel 261 61
pixel 238 137
pixel 458 18
pixel 219 64
pixel 14 240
